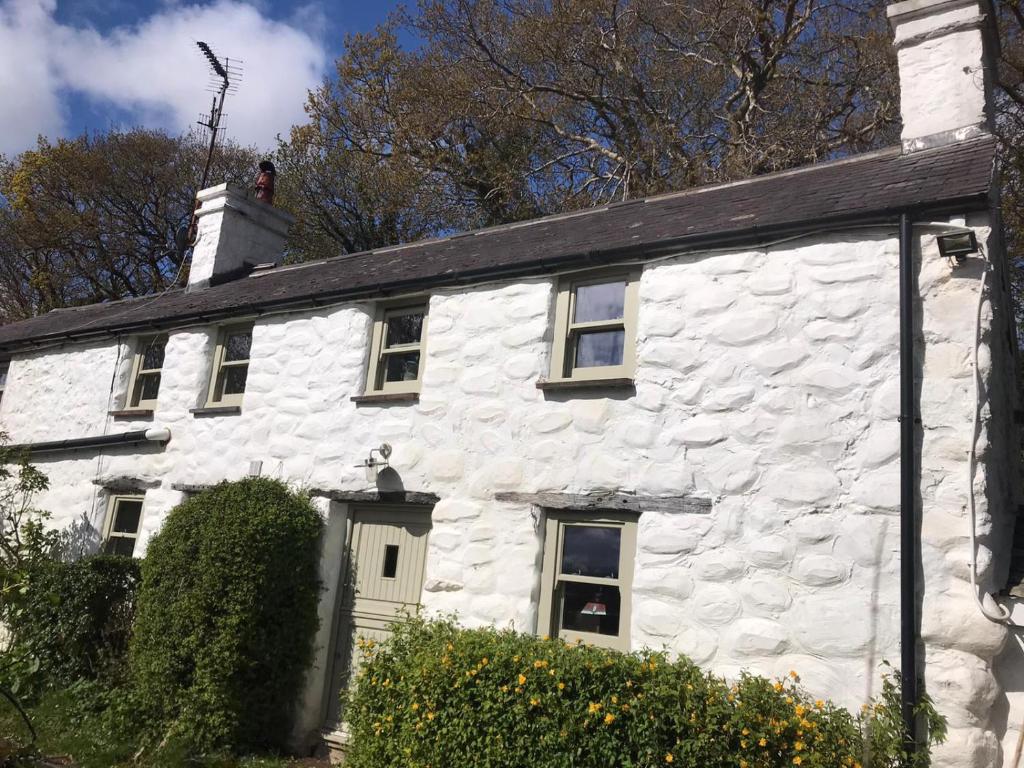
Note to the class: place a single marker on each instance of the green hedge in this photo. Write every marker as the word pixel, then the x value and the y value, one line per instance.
pixel 226 616
pixel 440 696
pixel 75 618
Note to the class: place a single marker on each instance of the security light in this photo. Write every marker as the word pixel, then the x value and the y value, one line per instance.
pixel 958 245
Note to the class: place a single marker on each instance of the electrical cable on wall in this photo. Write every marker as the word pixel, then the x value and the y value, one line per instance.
pixel 1001 613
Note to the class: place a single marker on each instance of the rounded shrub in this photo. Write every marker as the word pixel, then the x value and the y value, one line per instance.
pixel 438 695
pixel 227 611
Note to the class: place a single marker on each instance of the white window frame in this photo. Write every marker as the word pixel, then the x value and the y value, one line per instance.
pixel 216 398
pixel 108 524
pixel 563 349
pixel 554 535
pixel 134 401
pixel 375 384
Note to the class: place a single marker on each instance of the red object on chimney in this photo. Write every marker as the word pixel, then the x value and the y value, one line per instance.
pixel 265 182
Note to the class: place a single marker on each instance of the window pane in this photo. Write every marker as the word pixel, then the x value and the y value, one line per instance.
pixel 404 367
pixel 599 348
pixel 148 387
pixel 404 329
pixel 236 346
pixel 153 354
pixel 390 561
pixel 234 379
pixel 589 608
pixel 120 545
pixel 126 516
pixel 591 551
pixel 606 301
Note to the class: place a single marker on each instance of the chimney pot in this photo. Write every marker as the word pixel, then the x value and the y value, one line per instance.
pixel 265 182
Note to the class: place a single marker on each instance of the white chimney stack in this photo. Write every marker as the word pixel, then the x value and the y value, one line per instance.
pixel 945 76
pixel 234 231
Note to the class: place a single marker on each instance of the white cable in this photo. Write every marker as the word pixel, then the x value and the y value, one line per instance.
pixel 1002 614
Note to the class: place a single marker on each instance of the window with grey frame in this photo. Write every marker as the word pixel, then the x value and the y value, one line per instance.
pixel 595 326
pixel 230 366
pixel 147 369
pixel 5 367
pixel 397 349
pixel 587 577
pixel 121 530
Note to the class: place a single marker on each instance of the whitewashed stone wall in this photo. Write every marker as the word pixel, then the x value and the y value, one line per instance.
pixel 766 380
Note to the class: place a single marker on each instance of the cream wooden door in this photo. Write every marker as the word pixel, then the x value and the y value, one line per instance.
pixel 386 562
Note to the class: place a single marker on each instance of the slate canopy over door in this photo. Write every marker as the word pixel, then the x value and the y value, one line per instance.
pixel 382 584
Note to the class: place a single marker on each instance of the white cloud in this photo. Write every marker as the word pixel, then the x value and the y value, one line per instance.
pixel 153 69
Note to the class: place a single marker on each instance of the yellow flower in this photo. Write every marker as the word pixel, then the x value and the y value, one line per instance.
pixel 797 760
pixel 777 687
pixel 789 699
pixel 800 709
pixel 743 764
pixel 594 708
pixel 534 701
pixel 483 661
pixel 430 715
pixel 743 743
pixel 609 719
pixel 522 679
pixel 504 689
pixel 561 686
pixel 615 699
pixel 745 731
pixel 415 706
pixel 798 746
pixel 819 704
pixel 793 674
pixel 762 742
pixel 515 659
pixel 669 758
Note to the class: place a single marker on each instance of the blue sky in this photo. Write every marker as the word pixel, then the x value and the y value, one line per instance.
pixel 72 65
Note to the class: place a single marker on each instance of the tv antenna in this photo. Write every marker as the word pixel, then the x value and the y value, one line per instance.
pixel 224 78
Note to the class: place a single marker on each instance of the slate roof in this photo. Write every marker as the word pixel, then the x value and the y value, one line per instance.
pixel 874 186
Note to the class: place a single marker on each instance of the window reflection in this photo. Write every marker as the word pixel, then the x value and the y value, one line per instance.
pixel 605 301
pixel 599 348
pixel 591 551
pixel 590 608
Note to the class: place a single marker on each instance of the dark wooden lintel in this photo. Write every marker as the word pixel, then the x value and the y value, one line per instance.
pixel 386 398
pixel 132 414
pixel 371 497
pixel 216 410
pixel 611 502
pixel 559 385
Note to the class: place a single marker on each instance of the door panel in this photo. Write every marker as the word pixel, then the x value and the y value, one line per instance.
pixel 384 579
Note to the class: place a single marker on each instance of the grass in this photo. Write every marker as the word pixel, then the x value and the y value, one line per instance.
pixel 69 736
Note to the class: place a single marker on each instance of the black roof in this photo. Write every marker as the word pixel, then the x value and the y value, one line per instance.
pixel 869 187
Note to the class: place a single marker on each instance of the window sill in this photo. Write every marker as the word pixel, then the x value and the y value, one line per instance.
pixel 384 398
pixel 562 385
pixel 216 410
pixel 132 414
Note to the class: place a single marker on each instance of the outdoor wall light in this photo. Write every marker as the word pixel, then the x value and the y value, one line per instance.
pixel 372 465
pixel 958 245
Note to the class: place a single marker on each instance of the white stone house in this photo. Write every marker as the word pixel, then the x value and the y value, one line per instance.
pixel 671 422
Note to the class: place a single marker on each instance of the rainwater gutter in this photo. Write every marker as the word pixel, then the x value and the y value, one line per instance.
pixel 153 435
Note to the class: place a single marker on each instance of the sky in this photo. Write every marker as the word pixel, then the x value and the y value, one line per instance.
pixel 68 66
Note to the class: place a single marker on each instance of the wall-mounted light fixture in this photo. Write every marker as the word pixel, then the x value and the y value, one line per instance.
pixel 372 465
pixel 958 245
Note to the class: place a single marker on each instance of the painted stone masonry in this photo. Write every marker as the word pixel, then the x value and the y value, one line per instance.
pixel 766 387
pixel 766 380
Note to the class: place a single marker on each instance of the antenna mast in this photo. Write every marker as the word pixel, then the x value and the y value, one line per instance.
pixel 225 77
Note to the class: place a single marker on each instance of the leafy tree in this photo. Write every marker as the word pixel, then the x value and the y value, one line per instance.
pixel 93 218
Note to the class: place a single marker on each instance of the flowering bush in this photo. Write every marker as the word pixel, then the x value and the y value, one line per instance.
pixel 436 695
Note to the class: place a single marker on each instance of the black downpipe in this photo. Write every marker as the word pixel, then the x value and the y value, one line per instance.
pixel 908 517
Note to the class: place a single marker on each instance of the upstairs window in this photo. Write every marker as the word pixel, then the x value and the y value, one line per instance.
pixel 5 366
pixel 587 578
pixel 595 327
pixel 230 366
pixel 396 351
pixel 149 361
pixel 121 531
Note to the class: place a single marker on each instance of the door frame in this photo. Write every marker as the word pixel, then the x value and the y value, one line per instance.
pixel 398 512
